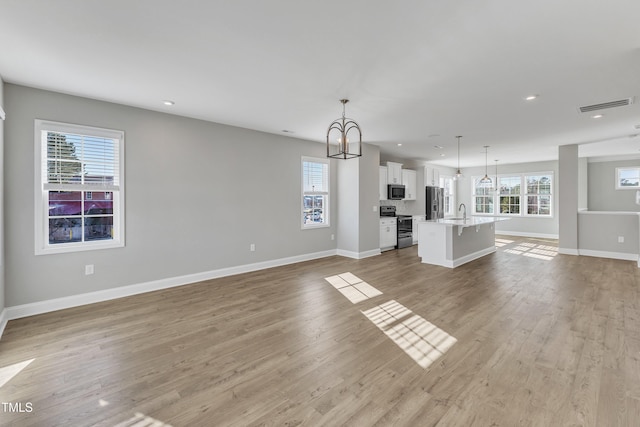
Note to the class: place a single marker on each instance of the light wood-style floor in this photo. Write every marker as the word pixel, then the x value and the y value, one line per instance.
pixel 542 340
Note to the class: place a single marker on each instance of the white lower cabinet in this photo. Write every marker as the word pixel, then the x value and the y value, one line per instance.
pixel 388 233
pixel 414 228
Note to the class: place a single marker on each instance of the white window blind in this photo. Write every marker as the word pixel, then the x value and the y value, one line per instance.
pixel 77 162
pixel 316 177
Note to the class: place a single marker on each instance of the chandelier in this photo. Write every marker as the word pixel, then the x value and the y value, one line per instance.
pixel 339 146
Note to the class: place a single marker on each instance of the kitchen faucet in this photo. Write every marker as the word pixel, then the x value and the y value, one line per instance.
pixel 464 212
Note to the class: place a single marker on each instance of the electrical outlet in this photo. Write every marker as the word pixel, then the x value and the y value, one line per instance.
pixel 333 237
pixel 620 239
pixel 252 247
pixel 88 269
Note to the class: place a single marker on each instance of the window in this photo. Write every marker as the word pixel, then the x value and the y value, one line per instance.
pixel 515 195
pixel 482 198
pixel 315 192
pixel 79 188
pixel 447 183
pixel 628 178
pixel 509 192
pixel 538 195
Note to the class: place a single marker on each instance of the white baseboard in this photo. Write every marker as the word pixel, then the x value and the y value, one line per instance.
pixel 568 251
pixel 524 234
pixel 606 254
pixel 3 320
pixel 358 255
pixel 40 307
pixel 468 258
pixel 462 260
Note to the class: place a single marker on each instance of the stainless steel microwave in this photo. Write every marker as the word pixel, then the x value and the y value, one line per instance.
pixel 395 192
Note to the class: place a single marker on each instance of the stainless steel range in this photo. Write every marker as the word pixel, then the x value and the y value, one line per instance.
pixel 405 232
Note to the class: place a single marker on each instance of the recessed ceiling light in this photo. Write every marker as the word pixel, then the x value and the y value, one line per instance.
pixel 167 102
pixel 399 144
pixel 531 97
pixel 287 131
pixel 441 154
pixel 438 147
pixel 597 116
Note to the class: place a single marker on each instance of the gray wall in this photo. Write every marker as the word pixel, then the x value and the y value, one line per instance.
pixel 603 195
pixel 197 195
pixel 348 206
pixel 2 285
pixel 583 183
pixel 517 225
pixel 358 224
pixel 568 190
pixel 368 220
pixel 599 232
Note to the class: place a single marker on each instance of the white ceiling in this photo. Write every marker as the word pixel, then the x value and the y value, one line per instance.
pixel 417 72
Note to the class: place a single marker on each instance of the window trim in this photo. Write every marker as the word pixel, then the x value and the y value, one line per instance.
pixel 452 193
pixel 626 187
pixel 41 217
pixel 326 194
pixel 526 194
pixel 523 195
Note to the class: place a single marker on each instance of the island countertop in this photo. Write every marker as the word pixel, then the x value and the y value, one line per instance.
pixel 468 222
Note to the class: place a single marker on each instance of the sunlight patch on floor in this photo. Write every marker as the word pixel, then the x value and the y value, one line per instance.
pixel 533 250
pixel 8 372
pixel 421 340
pixel 352 287
pixel 503 242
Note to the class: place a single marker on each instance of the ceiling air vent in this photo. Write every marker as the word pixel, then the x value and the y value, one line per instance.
pixel 611 104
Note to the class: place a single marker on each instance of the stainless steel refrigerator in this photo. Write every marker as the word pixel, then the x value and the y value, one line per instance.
pixel 435 202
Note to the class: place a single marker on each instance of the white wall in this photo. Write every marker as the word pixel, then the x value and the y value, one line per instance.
pixel 197 195
pixel 603 195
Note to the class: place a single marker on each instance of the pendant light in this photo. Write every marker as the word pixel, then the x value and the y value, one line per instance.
pixel 485 181
pixel 458 174
pixel 341 147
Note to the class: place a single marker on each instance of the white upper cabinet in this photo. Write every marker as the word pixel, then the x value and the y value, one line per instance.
pixel 383 183
pixel 409 178
pixel 394 173
pixel 431 177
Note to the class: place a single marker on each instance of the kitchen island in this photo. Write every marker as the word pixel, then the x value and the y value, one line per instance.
pixel 451 242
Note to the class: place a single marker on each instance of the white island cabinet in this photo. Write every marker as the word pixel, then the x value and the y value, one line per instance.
pixel 453 242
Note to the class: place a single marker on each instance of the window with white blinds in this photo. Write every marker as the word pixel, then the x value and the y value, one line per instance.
pixel 315 192
pixel 79 187
pixel 74 160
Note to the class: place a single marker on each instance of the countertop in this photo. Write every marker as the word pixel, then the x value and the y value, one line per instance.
pixel 471 221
